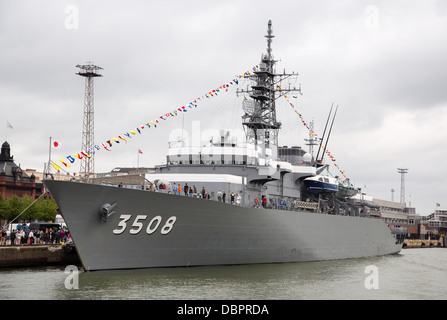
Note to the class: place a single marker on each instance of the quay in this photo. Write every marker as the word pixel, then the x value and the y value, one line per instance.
pixel 410 243
pixel 38 255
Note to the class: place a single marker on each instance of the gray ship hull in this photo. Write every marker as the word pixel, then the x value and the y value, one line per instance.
pixel 151 229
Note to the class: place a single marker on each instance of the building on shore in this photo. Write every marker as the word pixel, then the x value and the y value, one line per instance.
pixel 14 180
pixel 436 224
pixel 438 219
pixel 126 176
pixel 56 176
pixel 397 214
pixel 422 227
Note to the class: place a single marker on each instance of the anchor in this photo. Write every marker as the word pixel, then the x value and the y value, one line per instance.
pixel 106 211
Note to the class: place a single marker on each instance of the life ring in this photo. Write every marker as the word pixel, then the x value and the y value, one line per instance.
pixel 257 201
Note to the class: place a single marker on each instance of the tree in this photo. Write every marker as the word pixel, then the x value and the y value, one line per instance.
pixel 2 208
pixel 32 212
pixel 47 209
pixel 13 208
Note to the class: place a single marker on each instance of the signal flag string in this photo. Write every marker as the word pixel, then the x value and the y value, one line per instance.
pixel 124 137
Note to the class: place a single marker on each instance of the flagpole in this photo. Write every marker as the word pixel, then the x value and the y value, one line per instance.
pixel 49 160
pixel 8 126
pixel 138 159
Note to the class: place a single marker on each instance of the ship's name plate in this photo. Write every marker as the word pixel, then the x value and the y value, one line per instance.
pixel 139 223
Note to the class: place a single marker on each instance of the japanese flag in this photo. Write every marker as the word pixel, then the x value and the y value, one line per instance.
pixel 56 144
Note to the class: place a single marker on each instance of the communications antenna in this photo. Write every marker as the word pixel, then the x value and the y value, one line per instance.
pixel 311 142
pixel 402 172
pixel 259 120
pixel 89 71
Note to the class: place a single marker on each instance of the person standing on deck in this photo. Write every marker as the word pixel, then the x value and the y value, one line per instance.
pixel 264 201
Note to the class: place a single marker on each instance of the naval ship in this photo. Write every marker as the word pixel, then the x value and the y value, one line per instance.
pixel 246 202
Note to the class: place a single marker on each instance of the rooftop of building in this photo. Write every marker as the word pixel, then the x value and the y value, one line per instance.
pixel 8 168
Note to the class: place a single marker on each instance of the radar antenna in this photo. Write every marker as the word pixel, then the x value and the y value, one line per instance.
pixel 259 121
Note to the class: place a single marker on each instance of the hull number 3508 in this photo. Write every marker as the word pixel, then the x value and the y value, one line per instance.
pixel 137 225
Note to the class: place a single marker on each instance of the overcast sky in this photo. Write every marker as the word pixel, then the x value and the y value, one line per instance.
pixel 382 62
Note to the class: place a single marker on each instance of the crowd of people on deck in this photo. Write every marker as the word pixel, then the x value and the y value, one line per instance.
pixel 23 235
pixel 222 196
pixel 192 191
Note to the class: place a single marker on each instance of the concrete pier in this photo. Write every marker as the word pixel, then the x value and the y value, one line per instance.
pixel 38 255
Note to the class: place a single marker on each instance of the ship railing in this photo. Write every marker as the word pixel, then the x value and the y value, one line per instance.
pixel 296 205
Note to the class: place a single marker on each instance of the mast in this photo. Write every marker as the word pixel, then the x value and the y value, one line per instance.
pixel 324 132
pixel 329 134
pixel 47 170
pixel 311 141
pixel 259 121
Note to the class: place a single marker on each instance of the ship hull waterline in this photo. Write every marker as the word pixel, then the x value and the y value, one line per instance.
pixel 152 229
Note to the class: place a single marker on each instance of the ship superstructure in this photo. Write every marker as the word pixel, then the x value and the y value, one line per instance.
pixel 260 167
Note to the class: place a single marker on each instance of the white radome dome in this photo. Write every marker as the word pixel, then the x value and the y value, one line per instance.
pixel 307 157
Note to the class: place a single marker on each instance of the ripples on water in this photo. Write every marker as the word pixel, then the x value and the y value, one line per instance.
pixel 412 274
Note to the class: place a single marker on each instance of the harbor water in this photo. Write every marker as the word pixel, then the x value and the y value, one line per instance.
pixel 412 274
